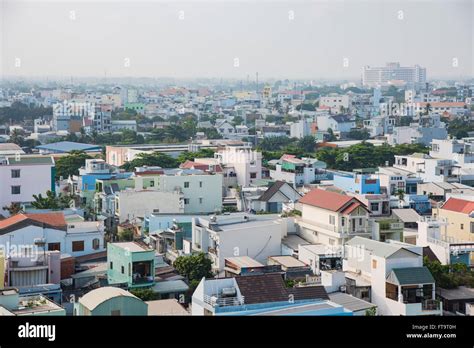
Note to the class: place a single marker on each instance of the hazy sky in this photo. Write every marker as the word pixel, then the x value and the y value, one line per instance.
pixel 205 38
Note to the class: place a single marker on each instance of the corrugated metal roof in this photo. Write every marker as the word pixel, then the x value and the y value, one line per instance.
pixel 350 302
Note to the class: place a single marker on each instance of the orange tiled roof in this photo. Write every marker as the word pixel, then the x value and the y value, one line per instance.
pixel 52 219
pixel 326 199
pixel 459 205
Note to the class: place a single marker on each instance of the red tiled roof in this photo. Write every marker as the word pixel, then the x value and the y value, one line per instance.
pixel 349 209
pixel 12 220
pixel 326 200
pixel 459 205
pixel 52 219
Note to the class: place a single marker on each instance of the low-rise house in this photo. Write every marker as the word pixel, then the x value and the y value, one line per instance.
pixel 110 301
pixel 53 232
pixel 166 307
pixel 331 218
pixel 392 180
pixel 274 199
pixel 399 283
pixel 338 123
pixel 458 213
pixel 358 306
pixel 262 294
pixel 242 265
pixel 292 268
pixel 130 264
pixel 321 257
pixel 169 289
pixel 433 233
pixel 133 204
pixel 458 301
pixel 439 191
pixel 299 171
pixel 30 268
pixel 120 125
pixel 224 236
pixel 14 304
pixel 360 181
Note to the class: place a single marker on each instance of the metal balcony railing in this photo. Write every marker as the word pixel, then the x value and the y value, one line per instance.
pixel 215 301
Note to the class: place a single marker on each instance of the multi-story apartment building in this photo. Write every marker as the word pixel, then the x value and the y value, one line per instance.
pixel 380 76
pixel 332 218
pixel 23 176
pixel 244 162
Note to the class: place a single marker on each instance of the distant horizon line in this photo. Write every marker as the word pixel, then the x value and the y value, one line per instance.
pixel 251 78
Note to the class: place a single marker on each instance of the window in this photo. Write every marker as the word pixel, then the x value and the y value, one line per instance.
pixel 186 201
pixel 374 206
pixel 78 245
pixel 462 226
pixel 253 175
pixel 332 220
pixel 115 312
pixel 111 266
pixel 54 246
pixel 16 190
pixel 472 227
pixel 123 269
pixel 15 173
pixel 374 264
pixel 186 184
pixel 343 221
pixel 95 243
pixel 200 200
pixel 360 222
pixel 152 183
pixel 200 183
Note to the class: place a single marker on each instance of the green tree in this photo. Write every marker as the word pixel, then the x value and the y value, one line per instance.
pixel 190 156
pixel 151 159
pixel 70 164
pixel 194 267
pixel 307 143
pixel 145 294
pixel 13 208
pixel 51 201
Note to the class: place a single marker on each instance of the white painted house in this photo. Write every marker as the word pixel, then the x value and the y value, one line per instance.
pixel 53 232
pixel 399 283
pixel 332 218
pixel 223 236
pixel 23 176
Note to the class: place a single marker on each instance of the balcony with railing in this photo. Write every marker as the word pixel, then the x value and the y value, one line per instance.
pixel 216 301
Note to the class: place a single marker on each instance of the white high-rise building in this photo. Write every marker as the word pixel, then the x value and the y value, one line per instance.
pixel 379 76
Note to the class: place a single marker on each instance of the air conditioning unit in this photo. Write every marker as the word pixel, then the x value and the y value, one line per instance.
pixel 342 288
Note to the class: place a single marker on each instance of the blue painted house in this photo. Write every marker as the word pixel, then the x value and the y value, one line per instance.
pixel 361 181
